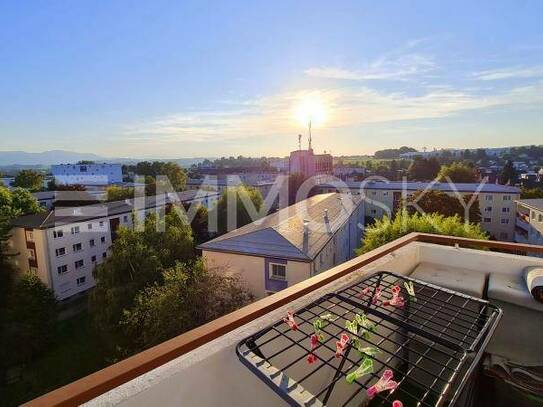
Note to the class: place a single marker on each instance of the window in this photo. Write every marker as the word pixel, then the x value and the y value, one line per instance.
pixel 507 197
pixel 540 218
pixel 104 255
pixel 29 235
pixel 385 193
pixel 91 243
pixel 504 236
pixel 62 269
pixel 278 271
pixel 504 221
pixel 374 211
pixel 61 251
pixel 487 220
pixel 58 233
pixel 488 197
pixel 83 168
pixel 506 210
pixel 75 230
pixel 81 281
pixel 89 226
pixel 488 209
pixel 103 239
pixel 32 254
pixel 77 247
pixel 101 223
pixel 125 218
pixel 93 259
pixel 78 264
pixel 374 193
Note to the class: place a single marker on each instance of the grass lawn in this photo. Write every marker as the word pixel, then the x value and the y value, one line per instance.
pixel 75 353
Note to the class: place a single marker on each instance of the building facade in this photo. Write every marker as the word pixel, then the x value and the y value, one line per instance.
pixel 292 244
pixel 63 246
pixel 496 202
pixel 308 164
pixel 529 221
pixel 87 174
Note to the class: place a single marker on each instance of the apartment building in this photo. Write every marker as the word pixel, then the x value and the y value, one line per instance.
pixel 529 221
pixel 87 174
pixel 496 202
pixel 307 163
pixel 292 244
pixel 63 246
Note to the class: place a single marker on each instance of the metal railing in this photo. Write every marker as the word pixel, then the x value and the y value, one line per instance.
pixel 97 383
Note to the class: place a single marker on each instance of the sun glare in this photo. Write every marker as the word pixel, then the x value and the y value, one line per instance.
pixel 311 108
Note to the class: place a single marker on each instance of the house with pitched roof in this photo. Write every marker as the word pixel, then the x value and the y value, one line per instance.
pixel 291 244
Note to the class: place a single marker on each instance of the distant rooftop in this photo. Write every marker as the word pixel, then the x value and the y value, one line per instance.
pixel 281 234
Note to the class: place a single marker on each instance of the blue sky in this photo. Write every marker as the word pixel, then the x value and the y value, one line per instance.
pixel 201 78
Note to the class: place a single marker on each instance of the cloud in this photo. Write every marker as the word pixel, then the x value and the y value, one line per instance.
pixel 509 73
pixel 348 107
pixel 385 68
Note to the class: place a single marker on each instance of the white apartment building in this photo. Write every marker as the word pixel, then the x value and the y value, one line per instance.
pixel 87 174
pixel 496 202
pixel 63 246
pixel 529 222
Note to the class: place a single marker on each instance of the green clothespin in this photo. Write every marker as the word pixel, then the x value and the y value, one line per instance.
pixel 365 368
pixel 369 350
pixel 328 317
pixel 317 326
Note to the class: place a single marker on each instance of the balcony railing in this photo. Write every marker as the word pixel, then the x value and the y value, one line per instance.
pixel 115 375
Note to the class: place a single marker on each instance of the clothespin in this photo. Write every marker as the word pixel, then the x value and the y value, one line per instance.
pixel 311 358
pixel 366 325
pixel 314 341
pixel 364 292
pixel 397 403
pixel 369 350
pixel 365 368
pixel 289 320
pixel 397 300
pixel 328 317
pixel 377 296
pixel 317 326
pixel 384 383
pixel 410 290
pixel 341 344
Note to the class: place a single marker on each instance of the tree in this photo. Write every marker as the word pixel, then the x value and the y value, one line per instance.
pixel 200 225
pixel 116 193
pixel 457 172
pixel 237 195
pixel 508 175
pixel 137 260
pixel 53 186
pixel 29 179
pixel 531 193
pixel 31 315
pixel 423 169
pixel 444 204
pixel 176 175
pixel 295 181
pixel 189 296
pixel 386 230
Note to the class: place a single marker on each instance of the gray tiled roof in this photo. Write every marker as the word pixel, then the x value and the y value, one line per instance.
pixel 533 203
pixel 281 234
pixel 439 186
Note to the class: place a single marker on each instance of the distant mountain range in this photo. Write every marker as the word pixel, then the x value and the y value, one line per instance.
pixel 47 158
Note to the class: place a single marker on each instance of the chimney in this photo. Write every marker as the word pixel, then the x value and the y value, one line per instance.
pixel 306 236
pixel 327 222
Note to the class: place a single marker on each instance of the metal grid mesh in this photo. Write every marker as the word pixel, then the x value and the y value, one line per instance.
pixel 426 344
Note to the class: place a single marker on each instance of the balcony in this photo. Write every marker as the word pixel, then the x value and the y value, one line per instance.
pixel 201 367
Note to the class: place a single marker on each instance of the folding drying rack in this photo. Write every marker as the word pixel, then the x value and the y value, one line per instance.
pixel 432 345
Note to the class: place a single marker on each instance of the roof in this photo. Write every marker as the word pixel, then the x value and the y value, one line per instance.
pixel 281 234
pixel 533 203
pixel 69 215
pixel 440 186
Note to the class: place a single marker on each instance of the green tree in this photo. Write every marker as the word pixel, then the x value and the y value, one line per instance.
pixel 386 230
pixel 116 193
pixel 200 225
pixel 423 169
pixel 137 260
pixel 444 204
pixel 457 172
pixel 508 175
pixel 30 318
pixel 237 195
pixel 150 170
pixel 531 193
pixel 29 179
pixel 189 296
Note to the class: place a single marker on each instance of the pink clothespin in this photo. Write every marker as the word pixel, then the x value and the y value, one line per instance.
pixel 376 296
pixel 397 300
pixel 311 358
pixel 364 292
pixel 289 319
pixel 397 403
pixel 384 383
pixel 314 341
pixel 340 345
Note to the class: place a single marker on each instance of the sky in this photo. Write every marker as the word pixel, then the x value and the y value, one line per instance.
pixel 219 78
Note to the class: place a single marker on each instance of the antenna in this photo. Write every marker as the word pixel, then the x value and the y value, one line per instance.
pixel 309 133
pixel 299 141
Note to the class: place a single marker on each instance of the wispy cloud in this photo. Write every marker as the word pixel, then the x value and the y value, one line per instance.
pixel 510 73
pixel 398 67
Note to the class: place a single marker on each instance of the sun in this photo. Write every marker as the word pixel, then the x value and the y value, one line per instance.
pixel 311 108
